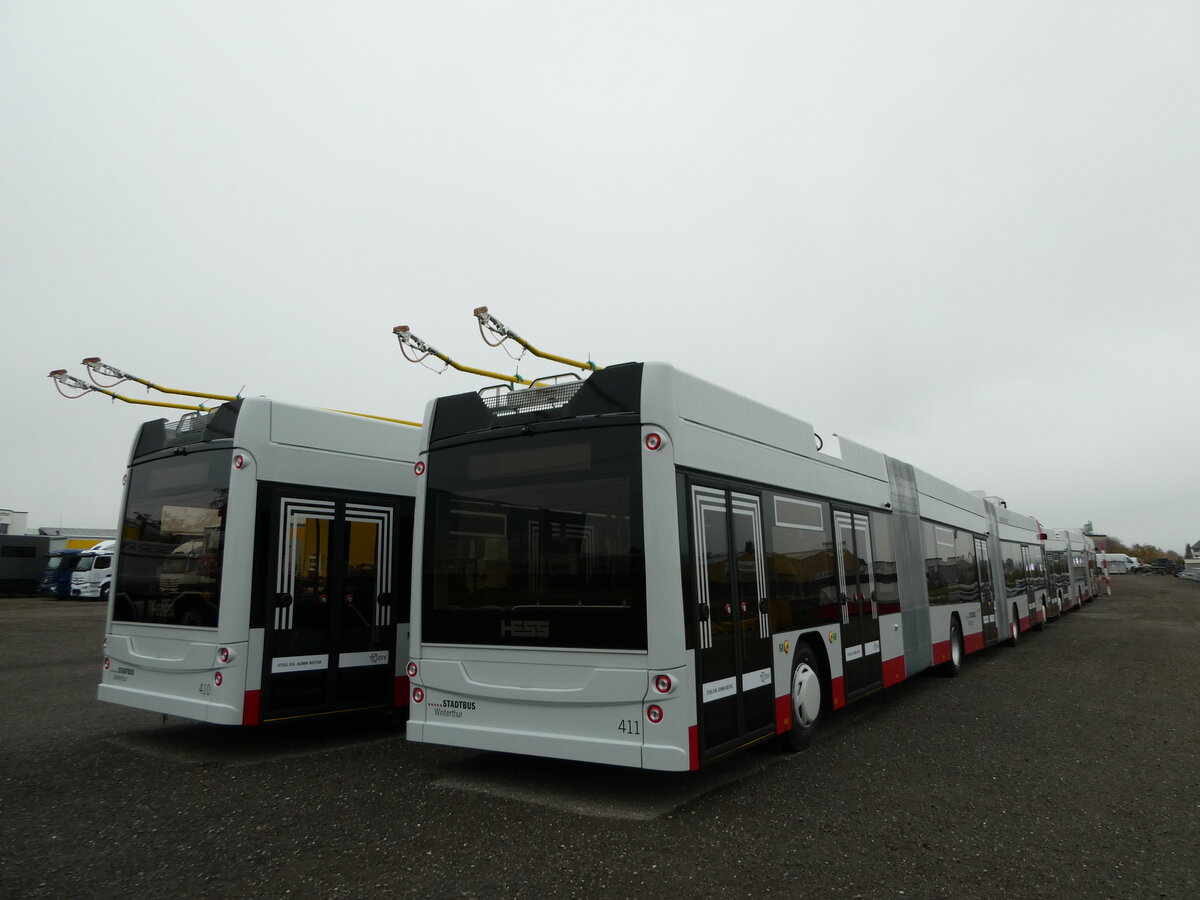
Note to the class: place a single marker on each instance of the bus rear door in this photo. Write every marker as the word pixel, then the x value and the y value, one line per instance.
pixel 330 617
pixel 733 629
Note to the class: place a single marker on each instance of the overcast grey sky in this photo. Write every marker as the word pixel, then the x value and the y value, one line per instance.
pixel 965 234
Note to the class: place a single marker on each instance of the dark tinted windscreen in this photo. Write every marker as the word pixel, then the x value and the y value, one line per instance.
pixel 537 540
pixel 171 540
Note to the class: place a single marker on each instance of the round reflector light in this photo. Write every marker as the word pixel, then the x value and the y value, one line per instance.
pixel 419 468
pixel 217 679
pixel 654 714
pixel 239 462
pixel 653 441
pixel 662 683
pixel 107 662
pixel 418 695
pixel 223 654
pixel 412 669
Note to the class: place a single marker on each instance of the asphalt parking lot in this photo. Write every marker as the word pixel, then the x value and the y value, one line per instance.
pixel 1067 766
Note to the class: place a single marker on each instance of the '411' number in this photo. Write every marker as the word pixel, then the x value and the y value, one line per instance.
pixel 630 726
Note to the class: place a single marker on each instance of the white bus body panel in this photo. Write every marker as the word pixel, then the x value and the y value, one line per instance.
pixel 588 712
pixel 174 676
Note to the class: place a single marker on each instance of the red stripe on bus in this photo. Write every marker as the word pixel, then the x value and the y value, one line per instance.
pixel 839 692
pixel 893 671
pixel 400 691
pixel 973 642
pixel 694 747
pixel 783 714
pixel 1026 623
pixel 941 652
pixel 250 701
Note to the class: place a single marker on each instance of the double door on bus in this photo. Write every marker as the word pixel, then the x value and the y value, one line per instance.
pixel 731 617
pixel 862 658
pixel 335 587
pixel 987 596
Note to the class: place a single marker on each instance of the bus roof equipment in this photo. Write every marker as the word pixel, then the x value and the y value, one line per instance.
pixel 409 340
pixel 94 365
pixel 489 323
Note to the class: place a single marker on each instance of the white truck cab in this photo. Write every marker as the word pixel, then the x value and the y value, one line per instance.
pixel 91 578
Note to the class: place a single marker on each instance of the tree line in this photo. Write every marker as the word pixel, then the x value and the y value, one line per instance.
pixel 1147 553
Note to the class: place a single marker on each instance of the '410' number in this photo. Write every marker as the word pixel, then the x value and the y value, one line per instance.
pixel 630 726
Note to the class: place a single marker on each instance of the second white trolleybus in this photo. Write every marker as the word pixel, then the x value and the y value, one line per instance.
pixel 262 568
pixel 645 569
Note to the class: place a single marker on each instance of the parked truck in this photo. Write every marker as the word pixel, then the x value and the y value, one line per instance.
pixel 56 574
pixel 91 578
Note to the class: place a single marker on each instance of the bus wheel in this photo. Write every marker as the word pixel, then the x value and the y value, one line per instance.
pixel 953 665
pixel 806 701
pixel 1014 629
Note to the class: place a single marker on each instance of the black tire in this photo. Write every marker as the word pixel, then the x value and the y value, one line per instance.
pixel 1014 628
pixel 104 594
pixel 952 666
pixel 807 700
pixel 1038 624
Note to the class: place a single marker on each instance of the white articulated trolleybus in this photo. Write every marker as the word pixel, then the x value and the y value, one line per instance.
pixel 262 568
pixel 1071 559
pixel 1022 567
pixel 644 569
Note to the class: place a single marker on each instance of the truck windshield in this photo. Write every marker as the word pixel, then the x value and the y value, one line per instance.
pixel 537 540
pixel 175 506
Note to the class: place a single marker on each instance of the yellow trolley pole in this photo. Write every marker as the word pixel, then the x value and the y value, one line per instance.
pixel 409 340
pixel 495 326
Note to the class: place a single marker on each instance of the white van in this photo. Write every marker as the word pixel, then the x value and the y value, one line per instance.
pixel 93 575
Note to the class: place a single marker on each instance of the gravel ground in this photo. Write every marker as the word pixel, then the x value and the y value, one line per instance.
pixel 1067 766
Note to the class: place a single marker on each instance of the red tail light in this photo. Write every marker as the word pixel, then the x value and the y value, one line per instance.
pixel 217 679
pixel 662 684
pixel 654 714
pixel 107 662
pixel 223 654
pixel 419 468
pixel 412 669
pixel 653 441
pixel 418 695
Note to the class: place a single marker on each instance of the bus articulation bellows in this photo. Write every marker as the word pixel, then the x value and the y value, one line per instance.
pixel 262 566
pixel 644 569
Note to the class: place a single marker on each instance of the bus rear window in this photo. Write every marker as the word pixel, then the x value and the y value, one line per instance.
pixel 537 540
pixel 171 540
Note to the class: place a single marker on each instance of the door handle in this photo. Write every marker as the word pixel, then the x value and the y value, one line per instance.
pixel 283 600
pixel 763 606
pixel 703 611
